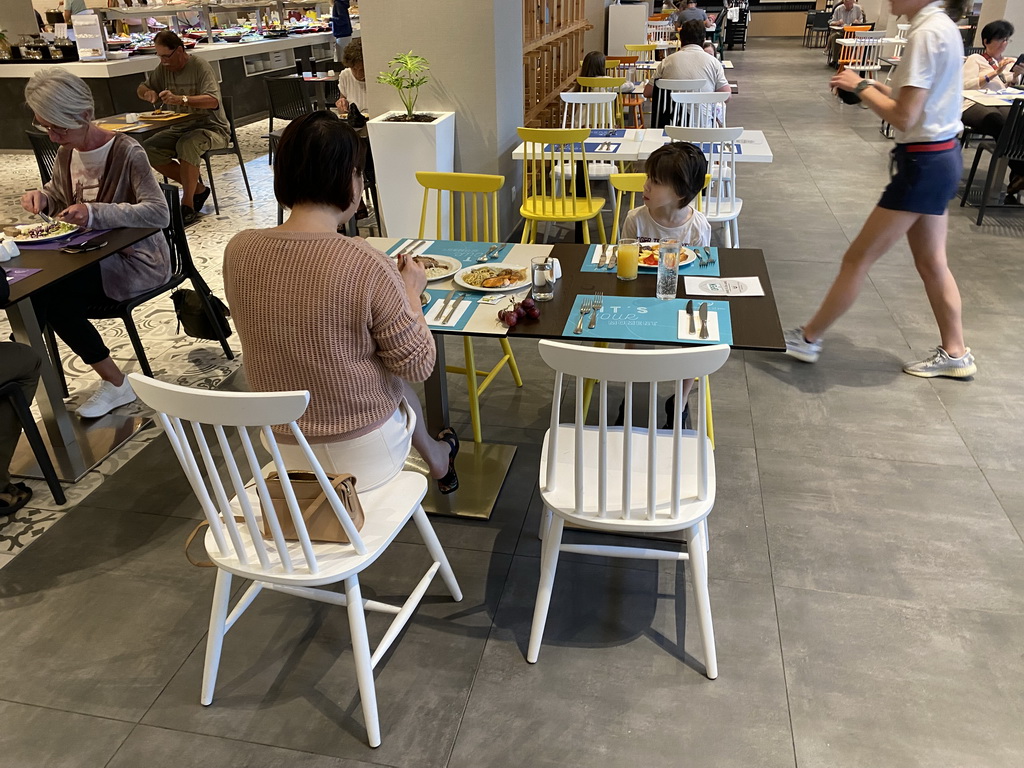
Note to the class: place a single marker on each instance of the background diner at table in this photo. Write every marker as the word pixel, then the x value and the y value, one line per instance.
pixel 188 84
pixel 991 71
pixel 101 180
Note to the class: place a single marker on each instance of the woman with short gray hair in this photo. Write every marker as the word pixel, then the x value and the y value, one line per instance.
pixel 101 180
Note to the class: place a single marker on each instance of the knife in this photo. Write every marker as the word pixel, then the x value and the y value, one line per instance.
pixel 704 320
pixel 604 257
pixel 689 312
pixel 459 301
pixel 447 300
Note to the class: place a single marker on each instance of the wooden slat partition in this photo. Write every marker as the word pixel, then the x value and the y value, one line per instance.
pixel 552 49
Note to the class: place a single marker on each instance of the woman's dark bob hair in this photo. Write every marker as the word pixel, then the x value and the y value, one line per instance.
pixel 316 159
pixel 996 30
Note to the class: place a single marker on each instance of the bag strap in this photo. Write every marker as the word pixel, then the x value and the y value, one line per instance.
pixel 188 543
pixel 336 482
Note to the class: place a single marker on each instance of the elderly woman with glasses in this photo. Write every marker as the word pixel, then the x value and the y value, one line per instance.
pixel 101 180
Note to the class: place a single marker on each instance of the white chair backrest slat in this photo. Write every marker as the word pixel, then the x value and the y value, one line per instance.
pixel 666 87
pixel 219 494
pixel 238 485
pixel 662 494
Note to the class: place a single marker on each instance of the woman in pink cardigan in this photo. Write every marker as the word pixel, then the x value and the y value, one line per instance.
pixel 101 180
pixel 322 312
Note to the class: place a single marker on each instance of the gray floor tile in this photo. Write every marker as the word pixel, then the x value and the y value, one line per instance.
pixel 887 682
pixel 36 736
pixel 1009 489
pixel 161 748
pixel 892 529
pixel 100 616
pixel 847 412
pixel 612 686
pixel 286 676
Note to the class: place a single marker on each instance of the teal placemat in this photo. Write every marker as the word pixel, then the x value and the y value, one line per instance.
pixel 466 252
pixel 469 301
pixel 693 268
pixel 649 319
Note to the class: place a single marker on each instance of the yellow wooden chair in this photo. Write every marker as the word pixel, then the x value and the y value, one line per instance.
pixel 632 184
pixel 543 200
pixel 472 215
pixel 607 85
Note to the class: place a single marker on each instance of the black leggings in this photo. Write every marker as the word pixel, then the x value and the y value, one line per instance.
pixel 65 307
pixel 990 121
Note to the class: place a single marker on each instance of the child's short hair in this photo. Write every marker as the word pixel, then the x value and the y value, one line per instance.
pixel 679 165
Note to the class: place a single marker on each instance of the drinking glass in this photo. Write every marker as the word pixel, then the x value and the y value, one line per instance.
pixel 543 281
pixel 627 258
pixel 668 268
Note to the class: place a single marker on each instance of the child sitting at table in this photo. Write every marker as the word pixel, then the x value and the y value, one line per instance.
pixel 675 176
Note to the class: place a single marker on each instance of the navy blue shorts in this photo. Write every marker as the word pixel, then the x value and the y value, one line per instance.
pixel 926 179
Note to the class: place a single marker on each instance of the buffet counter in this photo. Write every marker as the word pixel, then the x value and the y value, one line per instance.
pixel 114 82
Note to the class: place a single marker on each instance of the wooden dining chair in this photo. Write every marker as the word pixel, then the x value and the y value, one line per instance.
pixel 661 102
pixel 722 205
pixel 699 110
pixel 477 222
pixel 627 480
pixel 544 149
pixel 241 542
pixel 606 84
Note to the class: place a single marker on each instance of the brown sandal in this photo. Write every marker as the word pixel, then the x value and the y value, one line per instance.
pixel 14 497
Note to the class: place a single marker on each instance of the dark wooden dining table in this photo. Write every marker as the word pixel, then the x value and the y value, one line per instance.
pixel 76 445
pixel 482 467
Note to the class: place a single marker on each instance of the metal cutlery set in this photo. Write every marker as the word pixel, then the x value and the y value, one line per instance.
pixel 705 257
pixel 604 146
pixel 493 252
pixel 445 319
pixel 590 307
pixel 702 311
pixel 605 261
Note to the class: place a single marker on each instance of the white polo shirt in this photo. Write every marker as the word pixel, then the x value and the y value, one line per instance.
pixel 932 60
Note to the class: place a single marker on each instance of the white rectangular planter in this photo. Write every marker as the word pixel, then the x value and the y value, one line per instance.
pixel 399 151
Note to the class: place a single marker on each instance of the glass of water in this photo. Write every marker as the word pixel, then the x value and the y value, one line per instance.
pixel 541 270
pixel 668 268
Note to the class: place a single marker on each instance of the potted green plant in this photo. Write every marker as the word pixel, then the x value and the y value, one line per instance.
pixel 405 141
pixel 406 73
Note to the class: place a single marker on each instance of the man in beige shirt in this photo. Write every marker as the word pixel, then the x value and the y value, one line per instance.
pixel 186 84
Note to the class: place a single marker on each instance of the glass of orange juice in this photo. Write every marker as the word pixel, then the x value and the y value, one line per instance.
pixel 627 258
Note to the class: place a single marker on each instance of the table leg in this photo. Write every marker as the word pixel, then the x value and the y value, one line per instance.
pixel 55 416
pixel 482 467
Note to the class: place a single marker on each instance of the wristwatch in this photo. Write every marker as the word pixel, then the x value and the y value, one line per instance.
pixel 184 99
pixel 864 84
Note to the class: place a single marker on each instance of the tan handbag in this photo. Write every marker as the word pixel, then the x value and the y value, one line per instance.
pixel 321 521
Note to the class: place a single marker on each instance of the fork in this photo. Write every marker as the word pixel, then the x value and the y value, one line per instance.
pixel 588 304
pixel 490 252
pixel 711 257
pixel 597 304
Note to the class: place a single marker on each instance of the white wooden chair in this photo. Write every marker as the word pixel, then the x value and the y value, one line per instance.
pixel 593 110
pixel 699 110
pixel 660 32
pixel 628 480
pixel 723 207
pixel 235 542
pixel 661 103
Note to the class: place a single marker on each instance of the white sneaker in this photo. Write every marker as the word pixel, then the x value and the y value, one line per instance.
pixel 106 398
pixel 800 348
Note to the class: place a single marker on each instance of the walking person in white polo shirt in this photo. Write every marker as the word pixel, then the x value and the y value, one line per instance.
pixel 923 106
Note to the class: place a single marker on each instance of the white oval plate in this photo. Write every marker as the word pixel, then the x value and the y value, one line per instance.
pixel 688 256
pixel 26 227
pixel 454 265
pixel 507 288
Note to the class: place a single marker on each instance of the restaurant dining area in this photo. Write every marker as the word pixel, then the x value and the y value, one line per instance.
pixel 480 383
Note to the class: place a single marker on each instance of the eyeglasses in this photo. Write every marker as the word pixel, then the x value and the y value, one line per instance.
pixel 51 129
pixel 167 56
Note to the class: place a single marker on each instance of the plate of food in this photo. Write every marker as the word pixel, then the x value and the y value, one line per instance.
pixel 438 267
pixel 493 277
pixel 39 233
pixel 158 114
pixel 649 255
